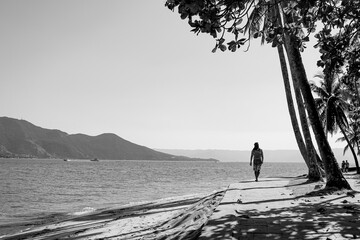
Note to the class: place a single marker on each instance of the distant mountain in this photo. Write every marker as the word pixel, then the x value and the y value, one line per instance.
pixel 238 155
pixel 244 156
pixel 19 138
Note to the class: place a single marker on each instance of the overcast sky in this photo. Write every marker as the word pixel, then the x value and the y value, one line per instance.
pixel 133 68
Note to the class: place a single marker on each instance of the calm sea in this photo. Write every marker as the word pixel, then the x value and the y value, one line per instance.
pixel 42 190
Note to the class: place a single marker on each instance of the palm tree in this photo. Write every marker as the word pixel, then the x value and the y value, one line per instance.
pixel 354 140
pixel 332 107
pixel 219 17
pixel 334 176
pixel 264 15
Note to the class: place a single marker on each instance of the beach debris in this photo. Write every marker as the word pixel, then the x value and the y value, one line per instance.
pixel 239 201
pixel 349 207
pixel 351 194
pixel 322 224
pixel 196 217
pixel 242 215
pixel 345 201
pixel 321 210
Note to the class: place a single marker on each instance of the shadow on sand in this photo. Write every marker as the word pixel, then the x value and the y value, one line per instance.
pixel 330 218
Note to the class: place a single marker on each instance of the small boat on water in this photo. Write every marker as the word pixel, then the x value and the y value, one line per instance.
pixel 94 160
pixel 66 160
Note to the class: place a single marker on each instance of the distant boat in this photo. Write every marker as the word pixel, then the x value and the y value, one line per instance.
pixel 66 160
pixel 94 160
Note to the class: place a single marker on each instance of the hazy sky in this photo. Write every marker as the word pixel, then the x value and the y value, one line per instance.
pixel 133 68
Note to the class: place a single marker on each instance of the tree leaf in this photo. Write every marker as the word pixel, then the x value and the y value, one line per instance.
pixel 222 47
pixel 239 21
pixel 215 48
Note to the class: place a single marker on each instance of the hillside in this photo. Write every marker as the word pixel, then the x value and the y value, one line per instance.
pixel 19 138
pixel 244 156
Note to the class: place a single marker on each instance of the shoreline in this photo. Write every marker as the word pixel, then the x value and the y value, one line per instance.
pixel 173 213
pixel 188 217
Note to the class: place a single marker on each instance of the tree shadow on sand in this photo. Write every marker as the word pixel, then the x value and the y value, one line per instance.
pixel 335 217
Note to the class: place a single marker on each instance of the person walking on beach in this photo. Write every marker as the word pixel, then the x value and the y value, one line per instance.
pixel 347 165
pixel 343 166
pixel 258 157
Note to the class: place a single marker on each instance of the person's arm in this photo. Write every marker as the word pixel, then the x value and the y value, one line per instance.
pixel 251 157
pixel 262 156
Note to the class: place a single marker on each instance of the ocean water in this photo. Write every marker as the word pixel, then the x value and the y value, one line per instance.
pixel 35 190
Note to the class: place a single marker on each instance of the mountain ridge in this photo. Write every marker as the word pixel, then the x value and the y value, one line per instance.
pixel 281 155
pixel 20 138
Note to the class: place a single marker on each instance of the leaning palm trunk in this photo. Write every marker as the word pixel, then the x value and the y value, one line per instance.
pixel 290 105
pixel 351 148
pixel 306 151
pixel 358 148
pixel 334 176
pixel 316 171
pixel 357 143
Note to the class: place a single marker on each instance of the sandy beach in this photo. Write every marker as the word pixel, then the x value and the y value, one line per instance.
pixel 180 217
pixel 273 208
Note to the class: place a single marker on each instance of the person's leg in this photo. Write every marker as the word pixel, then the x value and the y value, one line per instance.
pixel 258 168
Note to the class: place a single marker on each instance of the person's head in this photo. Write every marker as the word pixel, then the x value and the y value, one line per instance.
pixel 256 145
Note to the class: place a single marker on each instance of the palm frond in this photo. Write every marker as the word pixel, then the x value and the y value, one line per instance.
pixel 345 149
pixel 255 20
pixel 320 91
pixel 340 139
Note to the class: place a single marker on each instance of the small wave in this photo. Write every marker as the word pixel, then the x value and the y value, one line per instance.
pixel 83 211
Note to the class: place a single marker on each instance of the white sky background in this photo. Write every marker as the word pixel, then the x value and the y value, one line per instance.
pixel 133 68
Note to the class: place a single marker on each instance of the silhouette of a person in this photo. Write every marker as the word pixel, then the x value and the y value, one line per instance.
pixel 343 166
pixel 257 159
pixel 347 165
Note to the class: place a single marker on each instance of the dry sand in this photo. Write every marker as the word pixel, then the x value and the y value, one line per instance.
pixel 286 208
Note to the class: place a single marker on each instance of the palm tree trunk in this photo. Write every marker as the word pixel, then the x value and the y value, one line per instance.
pixel 290 104
pixel 357 102
pixel 316 172
pixel 351 148
pixel 305 149
pixel 334 175
pixel 357 92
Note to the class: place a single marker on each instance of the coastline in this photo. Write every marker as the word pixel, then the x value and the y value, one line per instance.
pixel 168 216
pixel 290 205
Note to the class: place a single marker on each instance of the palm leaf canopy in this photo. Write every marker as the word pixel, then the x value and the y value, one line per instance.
pixel 331 103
